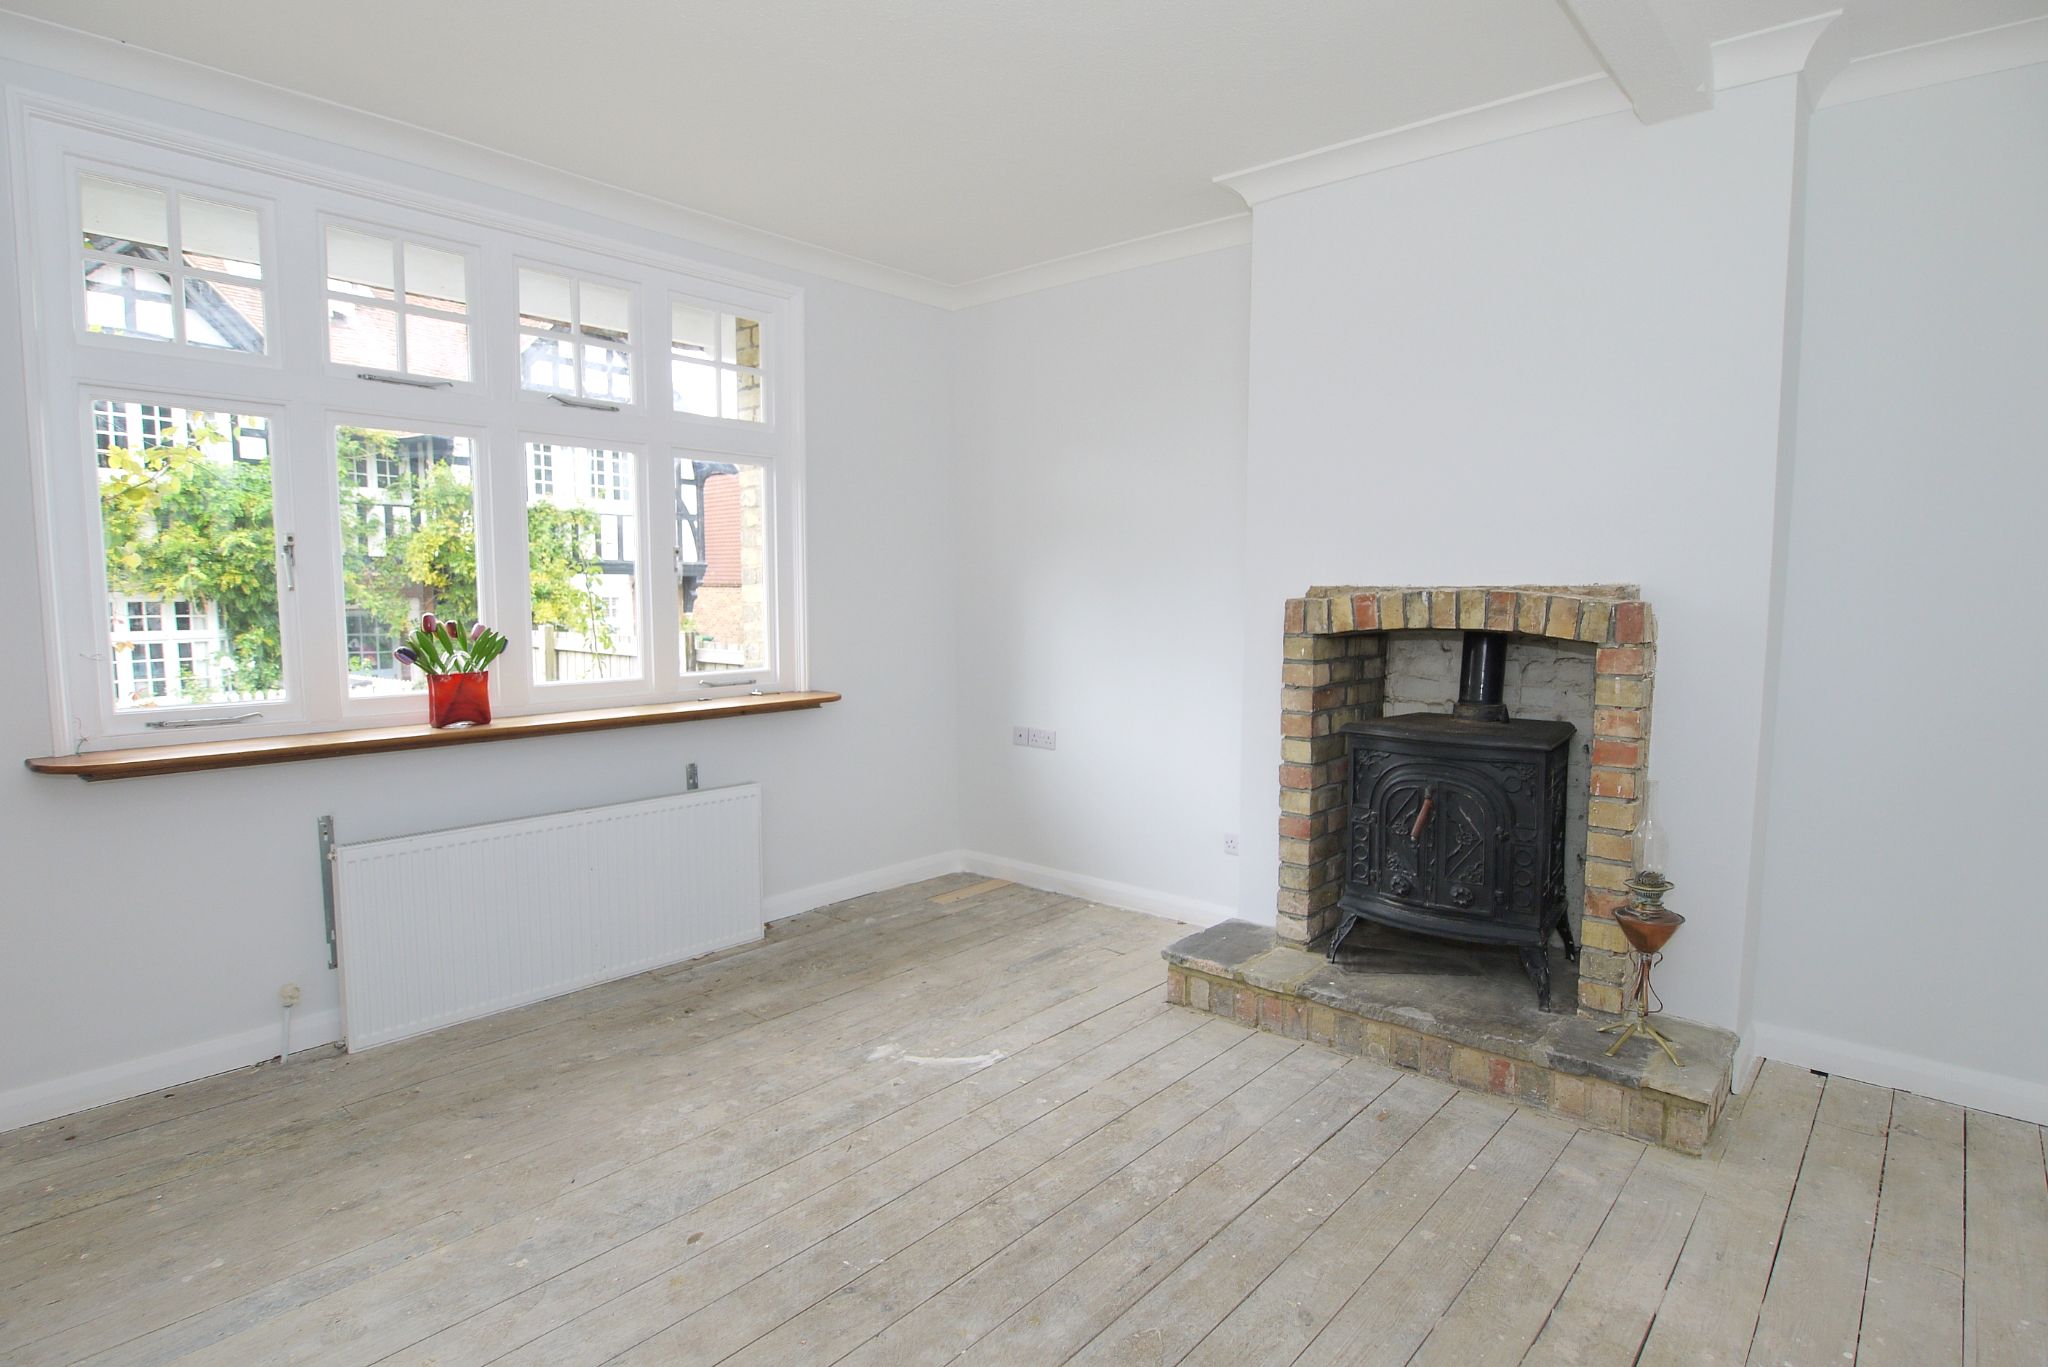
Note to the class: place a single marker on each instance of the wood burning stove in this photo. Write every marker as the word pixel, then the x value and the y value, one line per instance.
pixel 1456 823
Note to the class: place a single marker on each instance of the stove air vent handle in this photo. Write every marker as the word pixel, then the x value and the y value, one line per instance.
pixel 1422 817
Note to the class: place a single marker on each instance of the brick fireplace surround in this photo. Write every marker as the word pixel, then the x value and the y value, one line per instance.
pixel 1467 1024
pixel 1334 673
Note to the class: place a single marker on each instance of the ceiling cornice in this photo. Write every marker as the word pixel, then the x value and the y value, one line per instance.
pixel 1589 97
pixel 1738 61
pixel 1946 59
pixel 1769 53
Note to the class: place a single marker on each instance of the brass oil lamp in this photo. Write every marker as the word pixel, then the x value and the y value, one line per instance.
pixel 1647 924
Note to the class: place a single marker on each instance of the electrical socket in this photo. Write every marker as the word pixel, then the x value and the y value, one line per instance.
pixel 1044 740
pixel 1230 844
pixel 1020 735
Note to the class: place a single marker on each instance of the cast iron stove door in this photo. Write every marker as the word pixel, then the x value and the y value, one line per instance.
pixel 1435 843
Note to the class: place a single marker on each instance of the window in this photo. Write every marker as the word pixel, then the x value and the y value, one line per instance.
pixel 161 265
pixel 263 469
pixel 188 535
pixel 575 337
pixel 715 363
pixel 583 580
pixel 722 572
pixel 396 306
pixel 408 544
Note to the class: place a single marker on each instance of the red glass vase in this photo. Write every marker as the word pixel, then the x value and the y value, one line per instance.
pixel 459 699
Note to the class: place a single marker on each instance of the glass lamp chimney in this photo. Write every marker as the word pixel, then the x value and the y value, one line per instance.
pixel 1652 848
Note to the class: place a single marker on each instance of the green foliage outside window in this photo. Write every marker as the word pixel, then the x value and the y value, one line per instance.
pixel 182 525
pixel 179 525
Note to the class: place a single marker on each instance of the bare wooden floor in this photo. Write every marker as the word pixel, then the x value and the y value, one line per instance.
pixel 958 1121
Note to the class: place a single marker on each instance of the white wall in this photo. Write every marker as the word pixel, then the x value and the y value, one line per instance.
pixel 1553 359
pixel 1903 935
pixel 1100 523
pixel 146 925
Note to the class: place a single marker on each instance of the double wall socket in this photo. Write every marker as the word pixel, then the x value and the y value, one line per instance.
pixel 1035 738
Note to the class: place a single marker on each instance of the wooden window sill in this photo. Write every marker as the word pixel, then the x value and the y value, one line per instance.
pixel 235 754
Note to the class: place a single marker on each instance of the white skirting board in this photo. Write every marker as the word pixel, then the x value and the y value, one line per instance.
pixel 1995 1092
pixel 175 1067
pixel 1129 896
pixel 809 898
pixel 1109 892
pixel 452 925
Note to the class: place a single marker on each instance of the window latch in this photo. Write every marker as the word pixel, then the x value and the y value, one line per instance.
pixel 568 402
pixel 194 722
pixel 291 563
pixel 406 380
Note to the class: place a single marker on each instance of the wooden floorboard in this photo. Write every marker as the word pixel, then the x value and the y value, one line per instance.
pixel 1913 1310
pixel 1617 1285
pixel 1508 1300
pixel 1708 1313
pixel 2005 1279
pixel 958 1122
pixel 1813 1311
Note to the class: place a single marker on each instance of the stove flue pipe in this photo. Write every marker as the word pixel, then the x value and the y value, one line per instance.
pixel 1481 676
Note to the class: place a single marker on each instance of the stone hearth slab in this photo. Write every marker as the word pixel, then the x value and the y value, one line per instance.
pixel 1468 1017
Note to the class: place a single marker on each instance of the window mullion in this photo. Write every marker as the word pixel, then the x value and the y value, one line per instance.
pixel 315 654
pixel 663 652
pixel 174 264
pixel 494 308
pixel 314 649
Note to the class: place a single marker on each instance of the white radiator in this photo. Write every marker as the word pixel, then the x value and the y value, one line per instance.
pixel 448 926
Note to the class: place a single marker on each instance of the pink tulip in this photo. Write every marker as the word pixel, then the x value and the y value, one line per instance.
pixel 477 633
pixel 427 622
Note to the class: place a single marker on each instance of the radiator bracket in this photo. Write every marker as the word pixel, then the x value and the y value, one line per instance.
pixel 327 888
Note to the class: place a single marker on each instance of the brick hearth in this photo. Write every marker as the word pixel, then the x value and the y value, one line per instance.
pixel 1476 1025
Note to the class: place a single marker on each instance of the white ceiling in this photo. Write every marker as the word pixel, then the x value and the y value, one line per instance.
pixel 954 140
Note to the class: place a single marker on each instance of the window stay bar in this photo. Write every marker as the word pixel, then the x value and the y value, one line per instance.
pixel 189 724
pixel 568 402
pixel 406 380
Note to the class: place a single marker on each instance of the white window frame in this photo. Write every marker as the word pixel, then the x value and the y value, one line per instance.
pixel 173 267
pixel 766 369
pixel 305 396
pixel 472 266
pixel 394 709
pixel 578 274
pixel 541 696
pixel 87 573
pixel 771 553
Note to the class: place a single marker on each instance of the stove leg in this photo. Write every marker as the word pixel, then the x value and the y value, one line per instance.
pixel 1536 963
pixel 1564 932
pixel 1344 928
